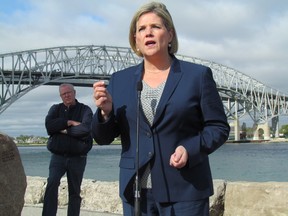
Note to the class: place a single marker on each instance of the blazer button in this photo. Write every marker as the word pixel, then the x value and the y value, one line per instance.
pixel 148 134
pixel 150 154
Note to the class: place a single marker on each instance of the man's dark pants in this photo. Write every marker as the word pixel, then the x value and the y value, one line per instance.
pixel 74 167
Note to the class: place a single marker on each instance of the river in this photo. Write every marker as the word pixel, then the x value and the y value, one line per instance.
pixel 232 162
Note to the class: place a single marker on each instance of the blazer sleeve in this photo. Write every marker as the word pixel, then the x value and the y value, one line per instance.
pixel 216 129
pixel 104 133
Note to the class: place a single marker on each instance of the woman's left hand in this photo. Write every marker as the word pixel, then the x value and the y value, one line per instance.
pixel 179 158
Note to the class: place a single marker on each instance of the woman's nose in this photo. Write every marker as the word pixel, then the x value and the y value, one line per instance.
pixel 148 31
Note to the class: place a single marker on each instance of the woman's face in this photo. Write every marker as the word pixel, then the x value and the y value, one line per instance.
pixel 152 37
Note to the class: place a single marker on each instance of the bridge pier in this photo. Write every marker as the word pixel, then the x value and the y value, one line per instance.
pixel 275 126
pixel 235 130
pixel 266 131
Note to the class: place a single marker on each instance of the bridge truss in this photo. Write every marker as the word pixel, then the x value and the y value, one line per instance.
pixel 23 71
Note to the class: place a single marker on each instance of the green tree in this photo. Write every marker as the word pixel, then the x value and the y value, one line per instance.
pixel 284 130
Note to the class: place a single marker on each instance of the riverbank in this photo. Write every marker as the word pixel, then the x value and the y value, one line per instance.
pixel 230 198
pixel 117 142
pixel 272 140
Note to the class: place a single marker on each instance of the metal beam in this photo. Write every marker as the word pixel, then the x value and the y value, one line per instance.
pixel 23 71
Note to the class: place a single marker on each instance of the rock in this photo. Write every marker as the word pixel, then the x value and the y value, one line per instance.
pixel 12 178
pixel 229 199
pixel 105 196
pixel 96 195
pixel 256 198
pixel 35 190
pixel 217 200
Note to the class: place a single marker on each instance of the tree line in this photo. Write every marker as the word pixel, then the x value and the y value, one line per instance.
pixel 246 133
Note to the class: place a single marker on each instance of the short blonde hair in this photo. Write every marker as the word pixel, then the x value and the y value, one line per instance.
pixel 68 85
pixel 160 10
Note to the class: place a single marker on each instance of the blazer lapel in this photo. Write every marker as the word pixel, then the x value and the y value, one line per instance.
pixel 137 78
pixel 171 83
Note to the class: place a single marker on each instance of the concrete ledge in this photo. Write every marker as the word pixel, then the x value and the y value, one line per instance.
pixel 229 199
pixel 254 198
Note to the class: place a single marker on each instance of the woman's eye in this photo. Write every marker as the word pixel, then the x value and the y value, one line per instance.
pixel 156 27
pixel 140 29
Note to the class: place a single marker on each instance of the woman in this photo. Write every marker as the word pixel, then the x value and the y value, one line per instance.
pixel 182 121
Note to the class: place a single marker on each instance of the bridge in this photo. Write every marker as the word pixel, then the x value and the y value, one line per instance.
pixel 241 95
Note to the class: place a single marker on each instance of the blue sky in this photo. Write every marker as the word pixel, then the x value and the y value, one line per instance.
pixel 9 7
pixel 250 36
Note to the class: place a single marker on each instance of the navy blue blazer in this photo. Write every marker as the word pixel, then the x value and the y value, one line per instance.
pixel 190 113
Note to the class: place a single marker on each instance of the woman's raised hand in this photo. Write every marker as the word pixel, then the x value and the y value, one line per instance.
pixel 103 100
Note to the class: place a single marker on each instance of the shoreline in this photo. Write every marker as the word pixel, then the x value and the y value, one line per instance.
pixel 271 141
pixel 279 140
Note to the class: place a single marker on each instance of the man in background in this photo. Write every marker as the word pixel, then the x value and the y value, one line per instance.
pixel 68 125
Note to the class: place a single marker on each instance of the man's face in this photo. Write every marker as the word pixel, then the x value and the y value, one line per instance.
pixel 67 95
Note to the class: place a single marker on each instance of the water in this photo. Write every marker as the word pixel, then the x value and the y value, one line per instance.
pixel 251 162
pixel 102 162
pixel 232 162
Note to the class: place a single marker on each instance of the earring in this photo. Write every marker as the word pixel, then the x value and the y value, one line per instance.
pixel 169 45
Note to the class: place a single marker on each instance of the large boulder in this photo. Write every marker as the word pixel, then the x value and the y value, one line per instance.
pixel 12 178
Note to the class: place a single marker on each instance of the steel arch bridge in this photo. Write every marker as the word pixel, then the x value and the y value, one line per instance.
pixel 23 71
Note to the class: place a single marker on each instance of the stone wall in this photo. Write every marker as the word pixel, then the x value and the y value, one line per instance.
pixel 230 198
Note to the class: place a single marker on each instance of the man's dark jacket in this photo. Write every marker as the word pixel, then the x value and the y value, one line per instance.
pixel 78 140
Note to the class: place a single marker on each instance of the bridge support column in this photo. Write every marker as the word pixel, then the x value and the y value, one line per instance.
pixel 255 132
pixel 266 131
pixel 275 126
pixel 236 123
pixel 235 130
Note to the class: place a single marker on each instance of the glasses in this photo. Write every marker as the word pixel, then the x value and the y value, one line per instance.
pixel 66 93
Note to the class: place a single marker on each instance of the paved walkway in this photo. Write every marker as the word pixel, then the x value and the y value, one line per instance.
pixel 37 211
